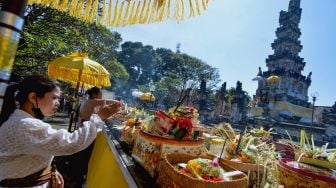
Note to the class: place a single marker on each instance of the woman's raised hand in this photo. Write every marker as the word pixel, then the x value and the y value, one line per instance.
pixel 106 111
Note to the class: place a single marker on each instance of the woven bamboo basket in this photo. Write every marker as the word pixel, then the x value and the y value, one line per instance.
pixel 292 177
pixel 255 172
pixel 149 150
pixel 170 177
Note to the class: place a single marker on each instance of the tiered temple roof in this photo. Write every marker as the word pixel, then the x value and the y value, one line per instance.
pixel 285 63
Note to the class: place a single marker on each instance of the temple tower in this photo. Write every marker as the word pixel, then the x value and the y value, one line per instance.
pixel 285 64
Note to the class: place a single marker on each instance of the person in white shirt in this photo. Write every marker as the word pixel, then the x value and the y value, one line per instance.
pixel 95 100
pixel 78 162
pixel 28 145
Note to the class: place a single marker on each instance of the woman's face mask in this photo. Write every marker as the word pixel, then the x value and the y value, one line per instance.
pixel 37 112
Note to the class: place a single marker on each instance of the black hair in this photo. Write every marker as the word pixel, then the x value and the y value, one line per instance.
pixel 19 93
pixel 93 91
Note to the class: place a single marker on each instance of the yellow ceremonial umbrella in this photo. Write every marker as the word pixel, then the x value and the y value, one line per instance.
pixel 147 97
pixel 272 79
pixel 78 68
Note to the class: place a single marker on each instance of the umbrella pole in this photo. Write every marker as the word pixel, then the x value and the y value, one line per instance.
pixel 73 111
pixel 77 88
pixel 78 104
pixel 82 89
pixel 71 119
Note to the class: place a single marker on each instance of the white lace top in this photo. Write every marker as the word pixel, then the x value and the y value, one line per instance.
pixel 28 145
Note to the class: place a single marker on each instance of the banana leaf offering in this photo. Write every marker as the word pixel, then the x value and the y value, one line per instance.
pixel 308 153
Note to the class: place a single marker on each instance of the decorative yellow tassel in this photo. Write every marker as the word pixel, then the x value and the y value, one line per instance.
pixel 168 11
pixel 73 7
pixel 198 7
pixel 167 8
pixel 54 4
pixel 153 11
pixel 182 8
pixel 115 14
pixel 126 16
pixel 176 10
pixel 127 12
pixel 162 10
pixel 45 2
pixel 64 5
pixel 204 3
pixel 131 13
pixel 109 14
pixel 34 1
pixel 142 11
pixel 145 19
pixel 191 7
pixel 120 15
pixel 94 11
pixel 160 3
pixel 160 6
pixel 103 12
pixel 136 15
pixel 87 10
pixel 49 2
pixel 79 11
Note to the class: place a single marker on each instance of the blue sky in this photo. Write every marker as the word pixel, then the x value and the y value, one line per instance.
pixel 235 36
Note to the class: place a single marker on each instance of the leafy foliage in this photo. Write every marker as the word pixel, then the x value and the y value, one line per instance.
pixel 49 33
pixel 168 91
pixel 169 71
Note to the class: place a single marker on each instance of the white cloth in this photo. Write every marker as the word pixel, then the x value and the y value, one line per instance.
pixel 45 185
pixel 28 145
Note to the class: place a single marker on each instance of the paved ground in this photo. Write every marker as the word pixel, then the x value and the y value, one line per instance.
pixel 58 121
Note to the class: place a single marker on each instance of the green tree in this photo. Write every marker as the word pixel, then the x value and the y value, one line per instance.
pixel 119 75
pixel 146 65
pixel 49 33
pixel 167 91
pixel 185 68
pixel 139 62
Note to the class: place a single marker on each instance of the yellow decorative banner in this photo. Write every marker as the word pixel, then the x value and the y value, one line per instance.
pixel 104 170
pixel 127 12
pixel 294 109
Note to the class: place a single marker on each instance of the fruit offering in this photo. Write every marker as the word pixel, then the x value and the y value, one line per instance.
pixel 204 169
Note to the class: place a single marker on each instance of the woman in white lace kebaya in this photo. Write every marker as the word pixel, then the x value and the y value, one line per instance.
pixel 28 145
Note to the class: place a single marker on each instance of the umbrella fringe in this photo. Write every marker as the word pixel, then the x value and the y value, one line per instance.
pixel 142 11
pixel 77 65
pixel 66 75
